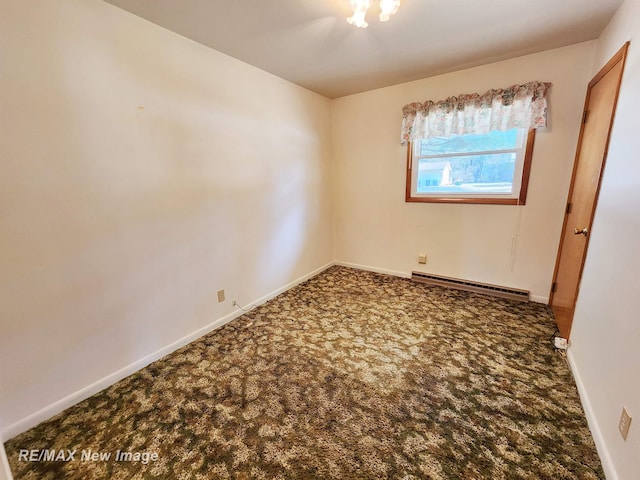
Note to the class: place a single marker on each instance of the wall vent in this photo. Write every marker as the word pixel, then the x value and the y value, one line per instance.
pixel 469 286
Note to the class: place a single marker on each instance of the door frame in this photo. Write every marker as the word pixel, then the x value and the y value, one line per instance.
pixel 620 56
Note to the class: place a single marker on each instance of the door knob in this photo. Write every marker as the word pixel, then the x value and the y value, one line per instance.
pixel 584 231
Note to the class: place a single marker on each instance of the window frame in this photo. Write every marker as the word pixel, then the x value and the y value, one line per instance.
pixel 520 199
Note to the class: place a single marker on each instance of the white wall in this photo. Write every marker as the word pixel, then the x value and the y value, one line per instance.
pixel 605 337
pixel 141 172
pixel 504 245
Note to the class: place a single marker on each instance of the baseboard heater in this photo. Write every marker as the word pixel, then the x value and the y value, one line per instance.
pixel 469 286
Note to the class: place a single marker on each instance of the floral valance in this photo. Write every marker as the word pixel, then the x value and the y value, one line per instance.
pixel 519 106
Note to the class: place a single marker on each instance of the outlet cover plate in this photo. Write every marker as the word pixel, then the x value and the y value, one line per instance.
pixel 220 296
pixel 560 343
pixel 625 423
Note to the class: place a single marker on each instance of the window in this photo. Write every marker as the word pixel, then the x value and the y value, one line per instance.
pixel 492 168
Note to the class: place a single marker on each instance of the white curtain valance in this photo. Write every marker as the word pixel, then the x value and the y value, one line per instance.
pixel 519 106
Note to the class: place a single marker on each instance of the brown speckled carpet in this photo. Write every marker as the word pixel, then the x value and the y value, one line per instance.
pixel 351 375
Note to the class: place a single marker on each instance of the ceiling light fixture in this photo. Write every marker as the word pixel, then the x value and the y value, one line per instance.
pixel 360 7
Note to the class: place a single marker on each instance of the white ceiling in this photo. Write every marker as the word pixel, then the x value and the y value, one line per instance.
pixel 309 42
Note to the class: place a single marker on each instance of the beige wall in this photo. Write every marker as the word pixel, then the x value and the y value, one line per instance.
pixel 504 245
pixel 605 351
pixel 141 172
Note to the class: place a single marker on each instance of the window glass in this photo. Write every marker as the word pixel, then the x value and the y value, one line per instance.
pixel 469 166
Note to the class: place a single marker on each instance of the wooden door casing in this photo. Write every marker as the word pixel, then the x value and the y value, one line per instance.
pixel 591 153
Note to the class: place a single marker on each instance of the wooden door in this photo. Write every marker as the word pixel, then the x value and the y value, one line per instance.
pixel 591 153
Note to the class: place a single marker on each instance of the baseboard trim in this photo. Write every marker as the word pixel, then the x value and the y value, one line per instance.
pixel 601 446
pixel 290 285
pixel 539 299
pixel 70 400
pixel 86 392
pixel 374 269
pixel 5 470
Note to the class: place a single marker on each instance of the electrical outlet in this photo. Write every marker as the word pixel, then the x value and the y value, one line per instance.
pixel 625 423
pixel 560 343
pixel 422 258
pixel 220 296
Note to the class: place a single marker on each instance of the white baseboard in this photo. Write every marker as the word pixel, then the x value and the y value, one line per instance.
pixel 374 269
pixel 605 459
pixel 5 470
pixel 290 285
pixel 70 400
pixel 539 299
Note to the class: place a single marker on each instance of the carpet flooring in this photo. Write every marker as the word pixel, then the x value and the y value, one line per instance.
pixel 350 375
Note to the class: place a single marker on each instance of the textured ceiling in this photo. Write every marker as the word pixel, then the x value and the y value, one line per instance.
pixel 308 42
